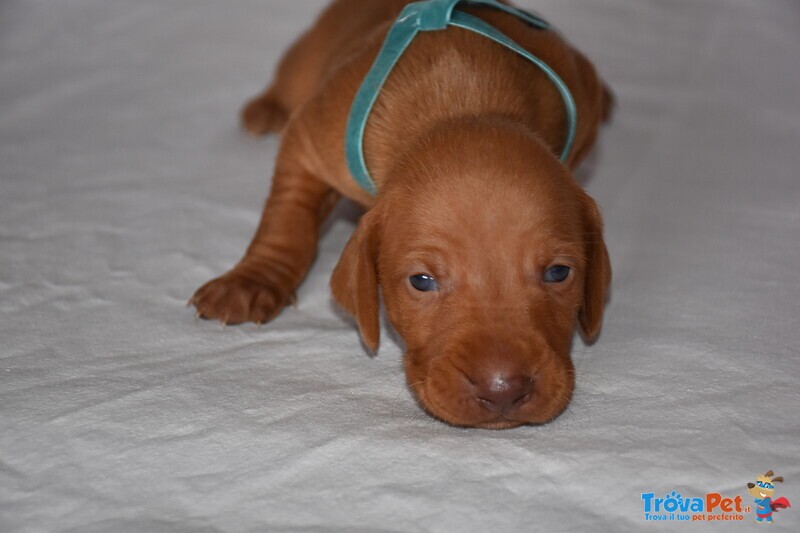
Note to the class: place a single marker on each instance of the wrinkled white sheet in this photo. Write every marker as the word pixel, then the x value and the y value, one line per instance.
pixel 125 183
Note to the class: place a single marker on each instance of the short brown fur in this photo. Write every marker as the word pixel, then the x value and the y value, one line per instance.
pixel 461 145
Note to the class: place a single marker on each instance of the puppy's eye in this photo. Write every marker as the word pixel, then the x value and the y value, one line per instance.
pixel 423 282
pixel 556 274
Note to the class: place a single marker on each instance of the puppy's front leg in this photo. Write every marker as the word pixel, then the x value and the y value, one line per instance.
pixel 281 252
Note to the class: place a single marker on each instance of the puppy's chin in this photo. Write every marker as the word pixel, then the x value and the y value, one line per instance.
pixel 443 391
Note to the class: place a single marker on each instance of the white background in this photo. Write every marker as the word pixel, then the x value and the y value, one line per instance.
pixel 125 184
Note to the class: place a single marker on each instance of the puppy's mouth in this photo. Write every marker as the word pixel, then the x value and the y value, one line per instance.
pixel 491 394
pixel 502 423
pixel 477 417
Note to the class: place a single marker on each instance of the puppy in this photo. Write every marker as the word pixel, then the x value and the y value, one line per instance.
pixel 485 249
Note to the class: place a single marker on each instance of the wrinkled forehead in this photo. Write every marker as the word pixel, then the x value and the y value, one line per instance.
pixel 491 220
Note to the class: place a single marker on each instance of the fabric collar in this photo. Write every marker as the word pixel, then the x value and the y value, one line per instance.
pixel 437 15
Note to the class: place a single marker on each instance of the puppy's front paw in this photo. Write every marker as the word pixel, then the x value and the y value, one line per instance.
pixel 234 298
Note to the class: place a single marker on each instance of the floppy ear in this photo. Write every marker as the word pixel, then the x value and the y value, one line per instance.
pixel 598 271
pixel 355 279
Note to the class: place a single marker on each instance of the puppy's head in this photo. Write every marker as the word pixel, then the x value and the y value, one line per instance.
pixel 487 254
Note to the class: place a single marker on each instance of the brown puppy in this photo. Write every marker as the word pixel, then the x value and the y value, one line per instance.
pixel 485 248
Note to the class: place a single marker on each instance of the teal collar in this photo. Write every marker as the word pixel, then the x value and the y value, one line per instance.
pixel 434 15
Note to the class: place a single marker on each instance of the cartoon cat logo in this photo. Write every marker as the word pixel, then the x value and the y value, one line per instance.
pixel 762 490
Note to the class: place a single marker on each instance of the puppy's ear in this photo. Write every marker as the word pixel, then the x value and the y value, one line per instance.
pixel 598 271
pixel 355 279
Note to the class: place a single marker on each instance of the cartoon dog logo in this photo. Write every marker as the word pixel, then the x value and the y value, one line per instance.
pixel 762 490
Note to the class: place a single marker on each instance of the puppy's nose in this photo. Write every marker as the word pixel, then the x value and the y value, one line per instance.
pixel 501 393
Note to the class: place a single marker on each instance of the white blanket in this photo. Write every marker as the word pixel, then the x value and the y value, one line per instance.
pixel 125 184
